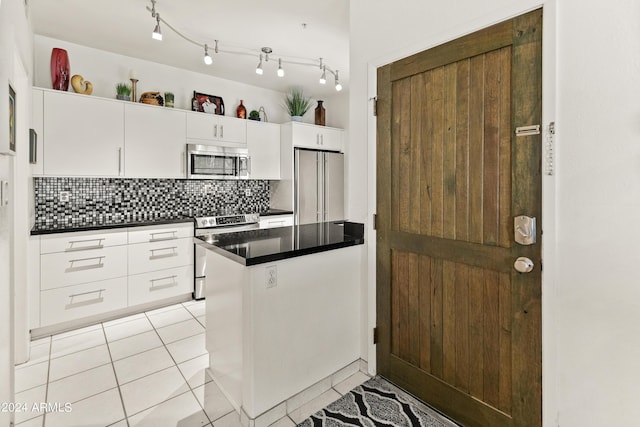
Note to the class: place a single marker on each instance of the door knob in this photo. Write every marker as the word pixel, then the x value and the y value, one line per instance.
pixel 523 264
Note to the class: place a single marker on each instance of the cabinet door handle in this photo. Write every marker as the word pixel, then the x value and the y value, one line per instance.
pixel 321 139
pixel 159 239
pixel 98 299
pixel 317 139
pixel 221 131
pixel 72 268
pixel 170 248
pixel 215 131
pixel 155 287
pixel 119 161
pixel 82 248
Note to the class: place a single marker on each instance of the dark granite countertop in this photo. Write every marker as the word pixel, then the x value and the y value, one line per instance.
pixel 273 244
pixel 39 229
pixel 272 211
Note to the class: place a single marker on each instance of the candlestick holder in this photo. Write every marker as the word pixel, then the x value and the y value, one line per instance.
pixel 133 90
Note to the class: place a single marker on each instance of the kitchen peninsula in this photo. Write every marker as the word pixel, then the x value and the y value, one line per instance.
pixel 282 313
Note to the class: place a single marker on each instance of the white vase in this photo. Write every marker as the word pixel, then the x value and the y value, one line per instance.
pixel 296 118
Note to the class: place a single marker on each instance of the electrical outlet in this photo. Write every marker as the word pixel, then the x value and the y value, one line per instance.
pixel 64 196
pixel 247 192
pixel 272 276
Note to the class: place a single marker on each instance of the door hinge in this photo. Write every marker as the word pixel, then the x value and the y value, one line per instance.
pixel 375 105
pixel 375 335
pixel 375 221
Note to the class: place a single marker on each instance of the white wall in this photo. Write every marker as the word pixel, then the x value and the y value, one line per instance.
pixel 15 46
pixel 591 79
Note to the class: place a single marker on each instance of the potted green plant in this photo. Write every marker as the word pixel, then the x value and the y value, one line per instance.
pixel 296 104
pixel 123 91
pixel 168 99
pixel 254 115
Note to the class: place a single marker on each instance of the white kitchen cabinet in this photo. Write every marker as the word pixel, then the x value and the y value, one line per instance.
pixel 154 142
pixel 145 257
pixel 263 143
pixel 84 135
pixel 207 128
pixel 272 221
pixel 160 284
pixel 316 137
pixel 37 124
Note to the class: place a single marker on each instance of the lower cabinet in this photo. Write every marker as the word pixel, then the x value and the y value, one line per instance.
pixel 272 221
pixel 88 274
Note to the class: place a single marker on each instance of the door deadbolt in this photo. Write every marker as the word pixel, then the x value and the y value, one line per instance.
pixel 524 230
pixel 523 265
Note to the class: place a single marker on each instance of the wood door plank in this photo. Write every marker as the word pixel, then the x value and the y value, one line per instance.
pixel 402 128
pixel 462 327
pixel 462 151
pixel 413 309
pixel 436 318
pixel 402 315
pixel 491 144
pixel 476 147
pixel 425 312
pixel 506 314
pixel 435 135
pixel 476 332
pixel 449 321
pixel 415 171
pixel 449 152
pixel 395 303
pixel 427 155
pixel 505 224
pixel 490 38
pixel 491 329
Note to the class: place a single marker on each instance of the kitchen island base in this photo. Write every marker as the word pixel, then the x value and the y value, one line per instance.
pixel 276 329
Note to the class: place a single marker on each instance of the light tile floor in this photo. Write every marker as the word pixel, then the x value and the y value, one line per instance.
pixel 143 370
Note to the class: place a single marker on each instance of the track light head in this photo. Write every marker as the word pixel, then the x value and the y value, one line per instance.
pixel 207 58
pixel 323 77
pixel 338 85
pixel 157 34
pixel 259 70
pixel 280 70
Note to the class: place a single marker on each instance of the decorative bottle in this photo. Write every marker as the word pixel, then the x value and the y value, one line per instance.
pixel 320 113
pixel 241 111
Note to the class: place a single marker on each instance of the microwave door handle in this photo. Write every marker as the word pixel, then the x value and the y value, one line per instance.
pixel 248 166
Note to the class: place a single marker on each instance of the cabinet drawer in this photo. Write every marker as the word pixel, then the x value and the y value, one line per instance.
pixel 71 268
pixel 157 285
pixel 159 233
pixel 145 257
pixel 82 240
pixel 78 301
pixel 276 221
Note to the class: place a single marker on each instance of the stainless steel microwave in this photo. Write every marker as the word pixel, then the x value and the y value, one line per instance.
pixel 217 162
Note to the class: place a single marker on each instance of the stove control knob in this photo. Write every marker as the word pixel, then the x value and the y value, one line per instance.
pixel 204 222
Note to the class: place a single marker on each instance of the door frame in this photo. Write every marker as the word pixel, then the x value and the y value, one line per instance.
pixel 548 251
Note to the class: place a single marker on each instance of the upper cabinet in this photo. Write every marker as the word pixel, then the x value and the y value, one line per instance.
pixel 263 143
pixel 37 123
pixel 316 137
pixel 203 127
pixel 154 141
pixel 84 135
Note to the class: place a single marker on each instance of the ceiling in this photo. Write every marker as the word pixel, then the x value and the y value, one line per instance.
pixel 299 31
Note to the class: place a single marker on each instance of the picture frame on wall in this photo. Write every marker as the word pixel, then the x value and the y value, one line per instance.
pixel 208 103
pixel 12 120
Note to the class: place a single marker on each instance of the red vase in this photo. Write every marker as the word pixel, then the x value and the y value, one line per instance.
pixel 60 70
pixel 241 111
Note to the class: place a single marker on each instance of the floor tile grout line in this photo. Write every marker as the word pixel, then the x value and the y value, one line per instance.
pixel 124 409
pixel 46 392
pixel 181 374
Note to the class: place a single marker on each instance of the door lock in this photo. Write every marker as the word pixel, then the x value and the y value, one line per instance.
pixel 523 265
pixel 524 230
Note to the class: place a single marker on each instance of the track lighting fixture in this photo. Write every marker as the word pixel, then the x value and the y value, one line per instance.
pixel 259 70
pixel 207 59
pixel 280 70
pixel 264 52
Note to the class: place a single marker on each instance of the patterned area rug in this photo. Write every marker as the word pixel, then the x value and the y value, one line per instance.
pixel 377 403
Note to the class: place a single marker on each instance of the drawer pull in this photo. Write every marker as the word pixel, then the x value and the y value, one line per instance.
pixel 96 300
pixel 155 287
pixel 71 248
pixel 73 268
pixel 172 253
pixel 159 239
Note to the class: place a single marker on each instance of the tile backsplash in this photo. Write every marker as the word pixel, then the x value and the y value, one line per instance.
pixel 105 200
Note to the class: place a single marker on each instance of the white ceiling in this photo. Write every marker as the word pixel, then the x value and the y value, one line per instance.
pixel 125 27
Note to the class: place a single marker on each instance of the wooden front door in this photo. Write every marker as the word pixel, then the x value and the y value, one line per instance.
pixel 458 326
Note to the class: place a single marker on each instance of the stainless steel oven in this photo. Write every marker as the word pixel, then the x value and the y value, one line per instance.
pixel 210 227
pixel 216 162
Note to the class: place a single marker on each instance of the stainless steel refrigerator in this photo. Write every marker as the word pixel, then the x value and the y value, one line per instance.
pixel 319 186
